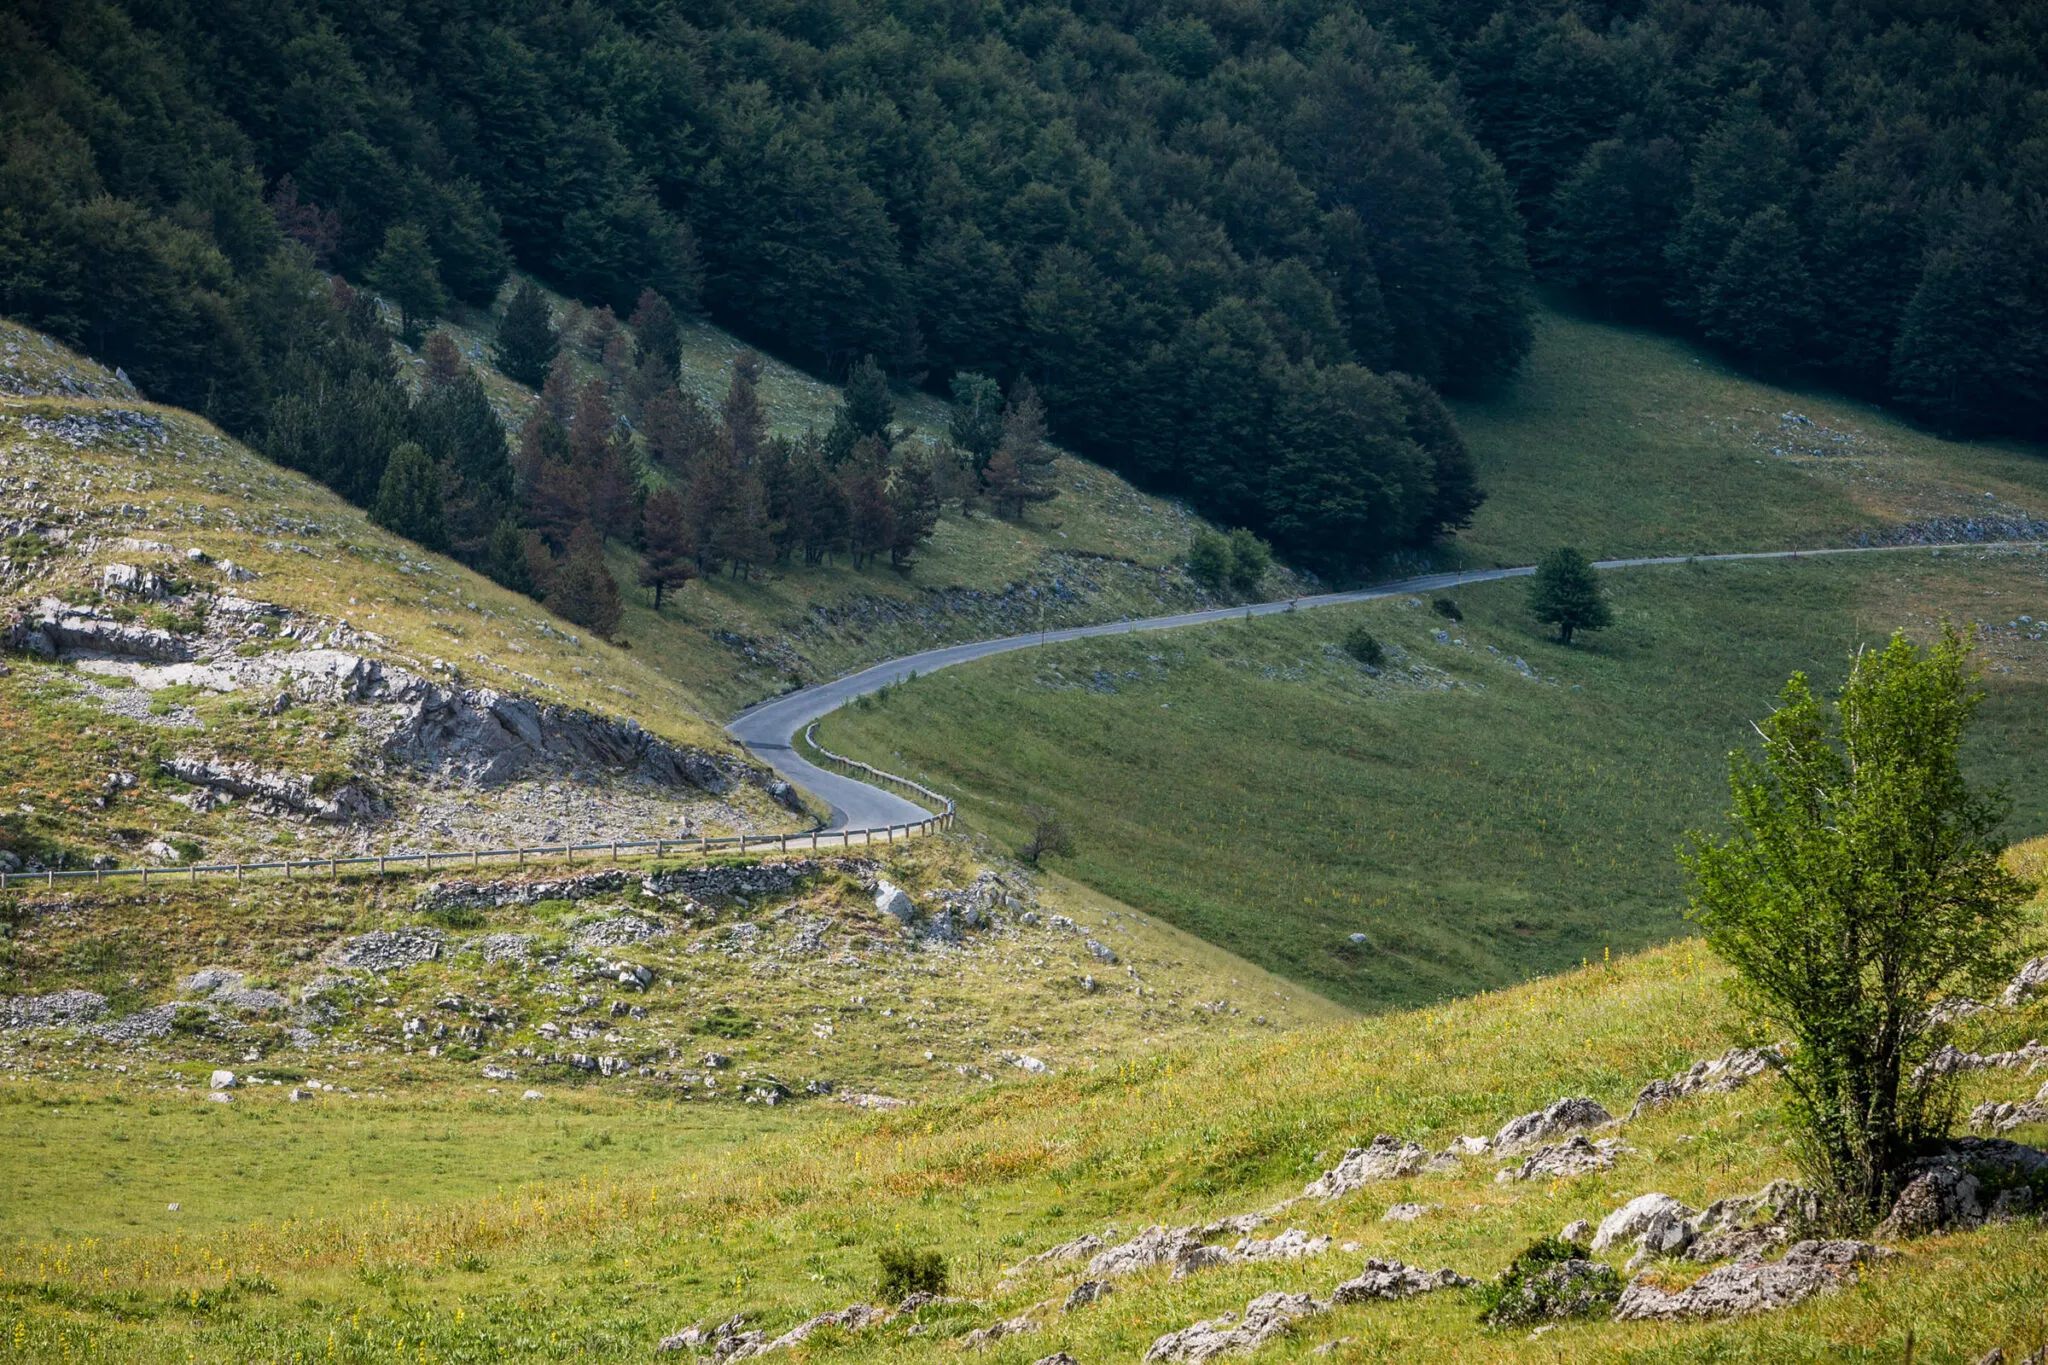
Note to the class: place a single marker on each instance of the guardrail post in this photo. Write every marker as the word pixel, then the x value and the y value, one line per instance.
pixel 53 876
pixel 380 866
pixel 870 832
pixel 703 842
pixel 743 841
pixel 333 869
pixel 814 841
pixel 615 850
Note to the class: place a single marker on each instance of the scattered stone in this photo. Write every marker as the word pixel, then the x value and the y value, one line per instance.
pixel 1087 1292
pixel 620 932
pixel 891 899
pixel 1948 1060
pixel 1393 1280
pixel 1566 1116
pixel 1732 1070
pixel 1562 1160
pixel 880 1103
pixel 59 1009
pixel 221 1080
pixel 1578 1230
pixel 1809 1268
pixel 1385 1158
pixel 996 1331
pixel 295 1095
pixel 2002 1116
pixel 1290 1245
pixel 1266 1317
pixel 1198 1257
pixel 1056 1358
pixel 533 1095
pixel 388 950
pixel 506 947
pixel 1406 1213
pixel 1100 952
pixel 209 979
pixel 222 1097
pixel 1023 1062
pixel 853 1317
pixel 1086 1245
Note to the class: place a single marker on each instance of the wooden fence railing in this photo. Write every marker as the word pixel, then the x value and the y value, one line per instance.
pixel 612 851
pixel 869 773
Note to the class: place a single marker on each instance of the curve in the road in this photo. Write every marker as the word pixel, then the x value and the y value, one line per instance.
pixel 769 728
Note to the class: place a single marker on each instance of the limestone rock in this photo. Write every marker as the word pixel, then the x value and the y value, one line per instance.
pixel 1198 1257
pixel 853 1317
pixel 1809 1268
pixel 1290 1245
pixel 221 1080
pixel 1393 1280
pixel 56 1010
pixel 1639 1215
pixel 388 950
pixel 2031 981
pixel 1383 1159
pixel 1266 1317
pixel 1056 1358
pixel 1732 1070
pixel 891 899
pixel 1578 1230
pixel 1087 1292
pixel 1576 1155
pixel 1082 1247
pixel 353 801
pixel 996 1331
pixel 1964 1185
pixel 1568 1115
pixel 1156 1245
pixel 1405 1213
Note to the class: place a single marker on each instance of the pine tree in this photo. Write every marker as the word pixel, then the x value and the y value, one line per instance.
pixel 526 342
pixel 558 390
pixel 1566 594
pixel 820 514
pixel 581 589
pixel 406 272
pixel 914 507
pixel 668 553
pixel 741 537
pixel 409 498
pixel 504 560
pixel 1024 441
pixel 868 406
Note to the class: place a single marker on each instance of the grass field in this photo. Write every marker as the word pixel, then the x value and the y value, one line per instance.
pixel 1626 442
pixel 788 1224
pixel 1255 785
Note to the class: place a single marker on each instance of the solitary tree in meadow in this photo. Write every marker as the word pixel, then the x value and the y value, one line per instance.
pixel 1861 888
pixel 1566 594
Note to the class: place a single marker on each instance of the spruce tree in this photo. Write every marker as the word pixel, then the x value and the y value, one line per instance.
pixel 867 403
pixel 409 498
pixel 1566 594
pixel 1024 441
pixel 668 556
pixel 977 420
pixel 865 482
pixel 504 560
pixel 746 424
pixel 582 589
pixel 656 334
pixel 406 272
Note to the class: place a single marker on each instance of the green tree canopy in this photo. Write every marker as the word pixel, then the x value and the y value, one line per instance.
pixel 407 273
pixel 409 497
pixel 1566 593
pixel 526 340
pixel 1862 887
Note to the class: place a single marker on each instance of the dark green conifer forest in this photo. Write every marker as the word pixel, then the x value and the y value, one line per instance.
pixel 1237 251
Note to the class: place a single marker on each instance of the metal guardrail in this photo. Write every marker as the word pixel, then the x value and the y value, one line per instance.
pixel 616 850
pixel 870 773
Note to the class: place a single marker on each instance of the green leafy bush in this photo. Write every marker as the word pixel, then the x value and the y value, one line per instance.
pixel 1209 560
pixel 1362 645
pixel 907 1271
pixel 1551 1279
pixel 1446 608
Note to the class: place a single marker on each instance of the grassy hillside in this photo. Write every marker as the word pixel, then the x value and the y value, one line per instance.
pixel 1627 442
pixel 1100 551
pixel 598 1266
pixel 1255 785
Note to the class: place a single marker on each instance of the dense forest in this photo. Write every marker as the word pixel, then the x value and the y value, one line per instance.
pixel 1235 250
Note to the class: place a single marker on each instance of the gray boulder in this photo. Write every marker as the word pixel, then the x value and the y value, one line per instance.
pixel 1732 1070
pixel 2031 981
pixel 1647 1216
pixel 1087 1292
pixel 1382 1280
pixel 1971 1181
pixel 1384 1158
pixel 1576 1155
pixel 1266 1317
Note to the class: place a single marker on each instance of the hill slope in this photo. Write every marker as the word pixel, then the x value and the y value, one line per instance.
pixel 216 653
pixel 789 1225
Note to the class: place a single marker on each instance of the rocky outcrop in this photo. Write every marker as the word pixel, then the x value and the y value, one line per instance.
pixel 1969 1182
pixel 1393 1280
pixel 1384 1158
pixel 350 801
pixel 1751 1286
pixel 749 881
pixel 469 894
pixel 1948 1060
pixel 1576 1155
pixel 1156 1245
pixel 1266 1317
pixel 1747 1226
pixel 1656 1222
pixel 487 738
pixel 2031 981
pixel 1732 1070
pixel 53 630
pixel 60 1009
pixel 2000 1116
pixel 1566 1116
pixel 1549 1282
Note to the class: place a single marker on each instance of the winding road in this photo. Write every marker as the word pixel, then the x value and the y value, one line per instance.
pixel 769 728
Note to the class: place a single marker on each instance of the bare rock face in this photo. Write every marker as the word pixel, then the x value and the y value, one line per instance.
pixel 1393 1280
pixel 353 801
pixel 1971 1181
pixel 1081 1248
pixel 54 630
pixel 2001 1116
pixel 1087 1292
pixel 1747 1226
pixel 1732 1070
pixel 1751 1286
pixel 1383 1159
pixel 1266 1317
pixel 1569 1115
